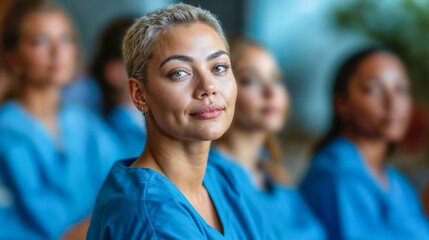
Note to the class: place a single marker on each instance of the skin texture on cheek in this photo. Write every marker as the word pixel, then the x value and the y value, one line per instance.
pixel 247 114
pixel 365 118
pixel 160 99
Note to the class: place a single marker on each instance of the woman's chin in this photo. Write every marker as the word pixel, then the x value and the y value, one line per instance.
pixel 209 134
pixel 211 131
pixel 60 82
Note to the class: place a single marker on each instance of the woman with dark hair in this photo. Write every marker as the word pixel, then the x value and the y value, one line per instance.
pixel 108 68
pixel 349 185
pixel 53 156
pixel 250 150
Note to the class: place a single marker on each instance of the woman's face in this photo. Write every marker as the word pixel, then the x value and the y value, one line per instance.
pixel 46 52
pixel 190 90
pixel 378 103
pixel 262 101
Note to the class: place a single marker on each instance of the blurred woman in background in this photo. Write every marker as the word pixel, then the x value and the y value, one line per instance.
pixel 108 68
pixel 349 185
pixel 53 156
pixel 262 104
pixel 180 78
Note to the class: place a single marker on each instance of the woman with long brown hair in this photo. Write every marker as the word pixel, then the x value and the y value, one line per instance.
pixel 53 155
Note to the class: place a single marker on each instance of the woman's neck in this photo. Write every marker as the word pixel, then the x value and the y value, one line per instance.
pixel 373 151
pixel 183 162
pixel 42 103
pixel 243 145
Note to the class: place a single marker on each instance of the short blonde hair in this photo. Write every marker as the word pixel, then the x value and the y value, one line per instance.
pixel 139 41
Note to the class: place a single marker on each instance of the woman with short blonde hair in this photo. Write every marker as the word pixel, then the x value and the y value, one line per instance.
pixel 180 78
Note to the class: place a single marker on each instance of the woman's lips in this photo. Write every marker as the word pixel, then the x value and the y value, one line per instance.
pixel 270 110
pixel 208 112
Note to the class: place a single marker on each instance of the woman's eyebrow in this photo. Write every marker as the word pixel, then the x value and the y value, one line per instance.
pixel 216 55
pixel 177 57
pixel 189 59
pixel 244 69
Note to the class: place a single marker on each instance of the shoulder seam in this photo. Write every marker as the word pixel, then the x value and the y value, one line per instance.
pixel 145 209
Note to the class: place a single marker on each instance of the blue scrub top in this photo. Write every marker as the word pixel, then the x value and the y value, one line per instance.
pixel 352 204
pixel 129 125
pixel 140 203
pixel 284 212
pixel 48 184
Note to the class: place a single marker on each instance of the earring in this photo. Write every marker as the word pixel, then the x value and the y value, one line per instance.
pixel 144 113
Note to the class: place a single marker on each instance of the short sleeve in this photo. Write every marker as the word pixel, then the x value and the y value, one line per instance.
pixel 132 219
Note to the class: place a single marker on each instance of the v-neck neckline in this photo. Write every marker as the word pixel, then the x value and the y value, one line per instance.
pixel 56 140
pixel 385 190
pixel 211 192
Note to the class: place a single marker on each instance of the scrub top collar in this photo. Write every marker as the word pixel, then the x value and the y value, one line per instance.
pixel 212 190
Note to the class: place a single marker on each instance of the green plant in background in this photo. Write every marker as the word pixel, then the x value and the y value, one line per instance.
pixel 403 26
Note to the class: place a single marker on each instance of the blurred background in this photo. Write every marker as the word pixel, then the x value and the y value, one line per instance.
pixel 309 38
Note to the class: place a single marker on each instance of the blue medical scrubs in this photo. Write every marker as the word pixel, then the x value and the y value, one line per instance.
pixel 49 183
pixel 140 203
pixel 352 204
pixel 129 125
pixel 284 212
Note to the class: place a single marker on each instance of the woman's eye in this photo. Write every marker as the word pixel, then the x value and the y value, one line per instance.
pixel 220 69
pixel 375 90
pixel 67 38
pixel 40 41
pixel 277 81
pixel 248 81
pixel 403 90
pixel 178 74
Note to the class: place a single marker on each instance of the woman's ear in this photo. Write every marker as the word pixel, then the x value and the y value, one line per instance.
pixel 138 94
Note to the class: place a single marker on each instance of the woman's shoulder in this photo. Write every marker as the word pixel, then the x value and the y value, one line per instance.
pixel 87 122
pixel 17 126
pixel 143 198
pixel 136 184
pixel 79 114
pixel 336 158
pixel 220 160
pixel 12 115
pixel 399 181
pixel 226 169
